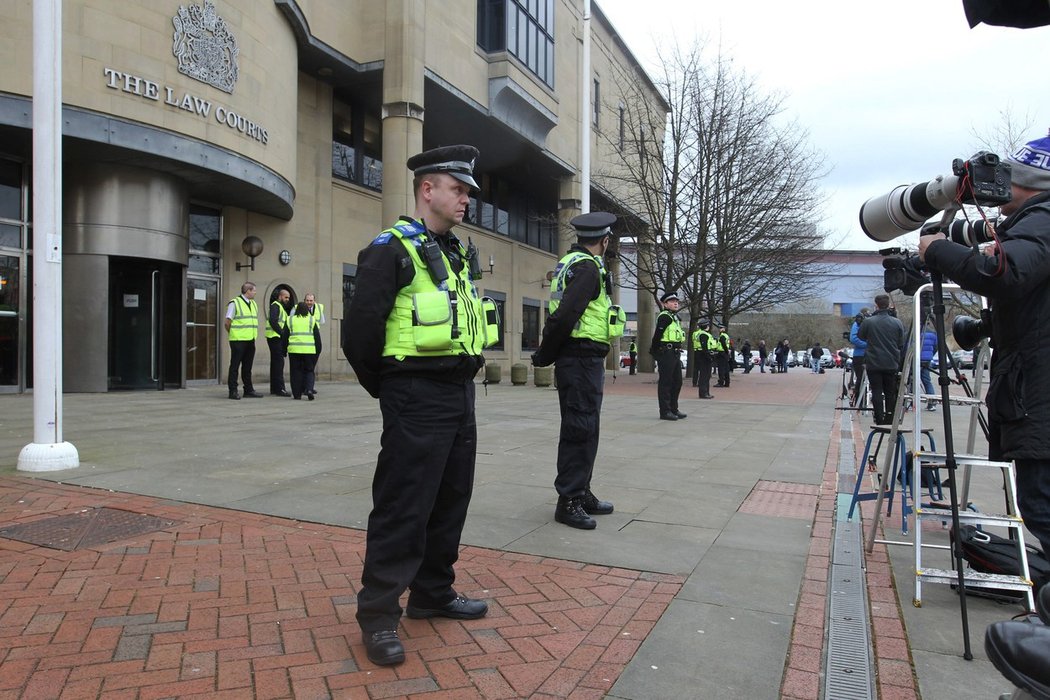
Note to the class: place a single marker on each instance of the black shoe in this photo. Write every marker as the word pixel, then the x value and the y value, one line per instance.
pixel 309 397
pixel 668 416
pixel 282 392
pixel 592 506
pixel 384 648
pixel 1019 650
pixel 253 394
pixel 679 415
pixel 461 608
pixel 312 392
pixel 569 511
pixel 1042 604
pixel 707 396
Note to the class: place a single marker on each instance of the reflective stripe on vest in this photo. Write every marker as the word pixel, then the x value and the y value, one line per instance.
pixel 430 320
pixel 282 320
pixel 301 335
pixel 593 323
pixel 673 333
pixel 245 322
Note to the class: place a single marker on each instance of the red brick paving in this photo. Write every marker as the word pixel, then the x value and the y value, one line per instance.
pixel 232 604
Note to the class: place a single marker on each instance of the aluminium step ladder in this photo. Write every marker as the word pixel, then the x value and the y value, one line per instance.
pixel 1010 520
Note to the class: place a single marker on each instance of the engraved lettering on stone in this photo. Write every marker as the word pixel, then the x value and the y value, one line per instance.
pixel 204 46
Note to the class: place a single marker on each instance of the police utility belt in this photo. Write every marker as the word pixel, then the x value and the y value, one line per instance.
pixel 668 346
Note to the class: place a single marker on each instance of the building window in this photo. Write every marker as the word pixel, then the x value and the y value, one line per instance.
pixel 530 325
pixel 10 204
pixel 205 240
pixel 525 28
pixel 512 209
pixel 357 146
pixel 596 106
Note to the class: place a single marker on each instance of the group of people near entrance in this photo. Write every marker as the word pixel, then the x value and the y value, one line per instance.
pixel 420 326
pixel 292 331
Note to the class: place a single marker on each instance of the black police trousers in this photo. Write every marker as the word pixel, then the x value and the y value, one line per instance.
pixel 242 356
pixel 669 365
pixel 581 381
pixel 276 346
pixel 420 493
pixel 702 372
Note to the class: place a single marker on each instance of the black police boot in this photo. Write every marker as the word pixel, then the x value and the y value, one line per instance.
pixel 1021 652
pixel 592 506
pixel 678 414
pixel 384 648
pixel 461 608
pixel 570 512
pixel 668 416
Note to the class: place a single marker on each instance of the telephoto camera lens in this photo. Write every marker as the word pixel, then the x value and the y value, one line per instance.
pixel 905 208
pixel 965 233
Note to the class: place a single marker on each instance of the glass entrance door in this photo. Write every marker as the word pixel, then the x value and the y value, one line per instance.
pixel 9 323
pixel 202 329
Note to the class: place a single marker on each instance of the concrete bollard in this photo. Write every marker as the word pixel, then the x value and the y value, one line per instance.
pixel 519 375
pixel 543 376
pixel 493 373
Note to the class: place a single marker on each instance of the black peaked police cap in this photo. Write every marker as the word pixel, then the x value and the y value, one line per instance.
pixel 593 225
pixel 457 161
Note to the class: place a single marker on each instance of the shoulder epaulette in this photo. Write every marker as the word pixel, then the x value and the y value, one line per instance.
pixel 382 238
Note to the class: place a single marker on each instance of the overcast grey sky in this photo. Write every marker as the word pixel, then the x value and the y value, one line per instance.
pixel 889 90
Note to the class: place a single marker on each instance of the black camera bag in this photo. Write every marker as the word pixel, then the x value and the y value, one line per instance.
pixel 992 554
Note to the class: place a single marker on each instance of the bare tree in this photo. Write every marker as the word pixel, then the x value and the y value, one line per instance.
pixel 724 209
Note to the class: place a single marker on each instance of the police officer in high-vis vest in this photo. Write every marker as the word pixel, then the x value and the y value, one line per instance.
pixel 316 310
pixel 576 338
pixel 419 327
pixel 276 330
pixel 724 357
pixel 242 323
pixel 704 345
pixel 666 348
pixel 302 349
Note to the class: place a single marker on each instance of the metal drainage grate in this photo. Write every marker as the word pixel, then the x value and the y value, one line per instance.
pixel 848 665
pixel 87 529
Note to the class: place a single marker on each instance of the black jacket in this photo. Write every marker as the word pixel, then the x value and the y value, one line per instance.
pixel 885 336
pixel 1017 284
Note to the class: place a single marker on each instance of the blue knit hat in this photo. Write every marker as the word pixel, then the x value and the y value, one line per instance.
pixel 1031 165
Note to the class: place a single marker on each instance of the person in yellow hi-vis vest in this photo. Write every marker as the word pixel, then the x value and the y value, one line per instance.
pixel 316 310
pixel 419 328
pixel 242 323
pixel 576 338
pixel 302 346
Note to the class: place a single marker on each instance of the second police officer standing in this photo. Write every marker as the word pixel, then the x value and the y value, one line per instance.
pixel 668 338
pixel 704 345
pixel 419 330
pixel 576 339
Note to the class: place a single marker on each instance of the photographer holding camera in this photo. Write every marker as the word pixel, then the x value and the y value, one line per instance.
pixel 1014 274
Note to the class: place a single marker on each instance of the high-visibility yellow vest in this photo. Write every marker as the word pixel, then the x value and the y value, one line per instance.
pixel 701 333
pixel 673 333
pixel 301 335
pixel 601 320
pixel 432 320
pixel 245 322
pixel 282 320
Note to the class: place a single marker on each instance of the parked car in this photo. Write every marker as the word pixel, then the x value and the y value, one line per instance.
pixel 826 358
pixel 963 359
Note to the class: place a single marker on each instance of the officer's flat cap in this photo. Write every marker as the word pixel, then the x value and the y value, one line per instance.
pixel 593 225
pixel 668 296
pixel 457 161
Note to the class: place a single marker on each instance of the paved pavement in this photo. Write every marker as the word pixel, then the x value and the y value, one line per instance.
pixel 238 579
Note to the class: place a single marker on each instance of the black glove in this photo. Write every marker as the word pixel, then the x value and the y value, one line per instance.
pixel 540 361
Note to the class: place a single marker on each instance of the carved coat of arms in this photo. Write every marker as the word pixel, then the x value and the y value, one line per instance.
pixel 204 46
